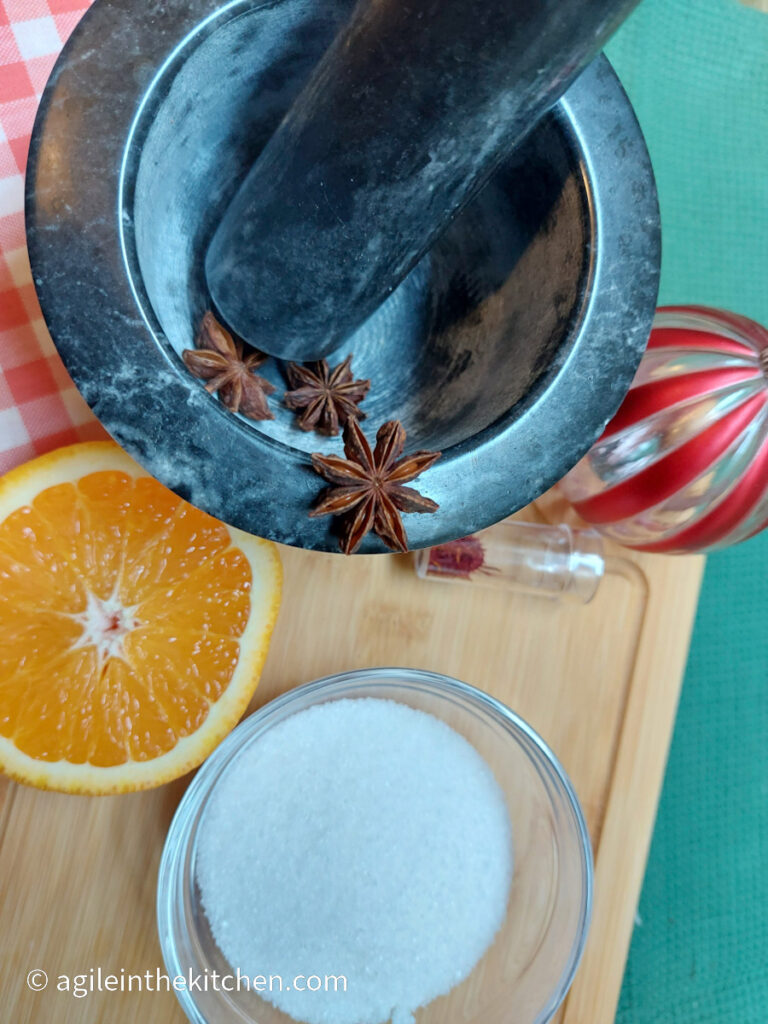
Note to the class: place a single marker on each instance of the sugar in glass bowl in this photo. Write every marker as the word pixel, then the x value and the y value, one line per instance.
pixel 525 973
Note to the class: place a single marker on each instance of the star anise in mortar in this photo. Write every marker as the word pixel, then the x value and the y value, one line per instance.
pixel 367 489
pixel 327 397
pixel 219 360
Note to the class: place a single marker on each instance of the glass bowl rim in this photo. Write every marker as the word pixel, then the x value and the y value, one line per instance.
pixel 183 827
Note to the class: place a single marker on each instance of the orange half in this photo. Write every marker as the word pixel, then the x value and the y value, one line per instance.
pixel 133 626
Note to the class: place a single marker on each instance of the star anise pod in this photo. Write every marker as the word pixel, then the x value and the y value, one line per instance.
pixel 367 487
pixel 327 397
pixel 218 359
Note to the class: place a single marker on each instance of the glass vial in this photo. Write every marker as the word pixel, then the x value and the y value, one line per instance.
pixel 530 558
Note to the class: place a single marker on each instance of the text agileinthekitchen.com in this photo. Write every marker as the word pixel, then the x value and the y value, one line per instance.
pixel 98 980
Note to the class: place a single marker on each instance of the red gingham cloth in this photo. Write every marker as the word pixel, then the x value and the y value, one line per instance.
pixel 40 408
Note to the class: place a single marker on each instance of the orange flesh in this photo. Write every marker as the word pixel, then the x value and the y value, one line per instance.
pixel 121 610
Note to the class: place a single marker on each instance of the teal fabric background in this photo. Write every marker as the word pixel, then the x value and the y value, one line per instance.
pixel 697 73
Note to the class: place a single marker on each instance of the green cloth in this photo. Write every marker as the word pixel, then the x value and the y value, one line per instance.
pixel 697 73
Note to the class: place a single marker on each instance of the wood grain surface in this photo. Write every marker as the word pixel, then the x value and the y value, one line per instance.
pixel 600 683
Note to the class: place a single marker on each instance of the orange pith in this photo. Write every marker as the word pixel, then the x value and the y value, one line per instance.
pixel 123 611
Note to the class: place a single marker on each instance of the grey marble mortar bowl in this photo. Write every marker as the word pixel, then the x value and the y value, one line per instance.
pixel 508 347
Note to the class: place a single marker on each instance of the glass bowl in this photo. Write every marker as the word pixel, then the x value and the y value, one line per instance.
pixel 526 972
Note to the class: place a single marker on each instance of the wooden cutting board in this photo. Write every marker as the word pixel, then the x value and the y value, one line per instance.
pixel 599 682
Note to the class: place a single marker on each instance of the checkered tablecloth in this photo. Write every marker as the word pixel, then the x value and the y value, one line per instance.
pixel 40 408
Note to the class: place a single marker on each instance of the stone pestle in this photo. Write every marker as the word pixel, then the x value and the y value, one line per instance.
pixel 407 114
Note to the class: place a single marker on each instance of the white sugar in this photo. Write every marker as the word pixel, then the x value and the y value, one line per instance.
pixel 358 838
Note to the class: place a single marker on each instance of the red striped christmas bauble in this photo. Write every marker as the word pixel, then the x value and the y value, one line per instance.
pixel 683 465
